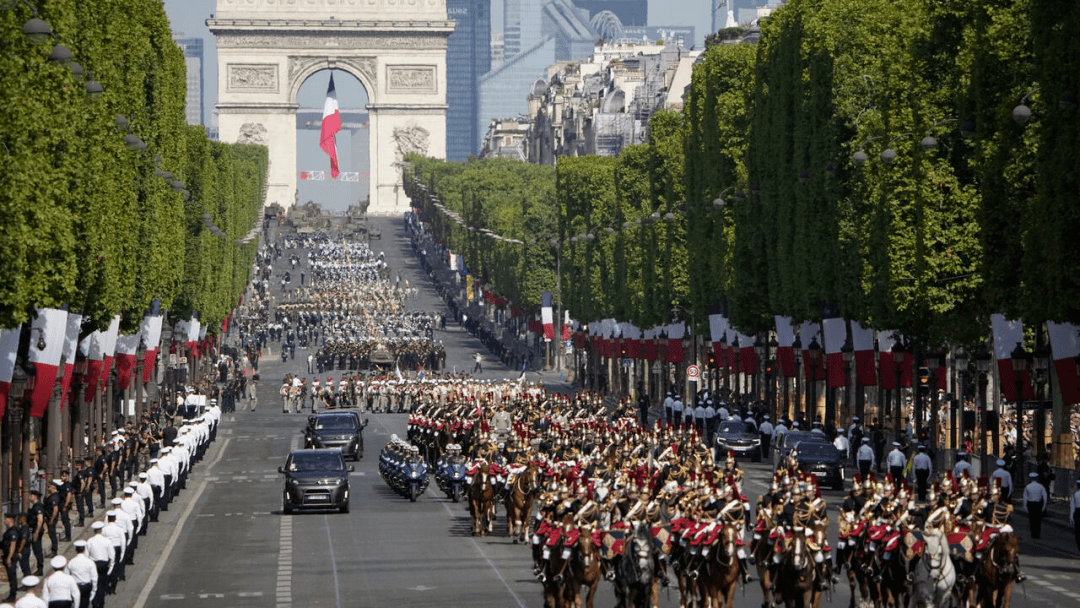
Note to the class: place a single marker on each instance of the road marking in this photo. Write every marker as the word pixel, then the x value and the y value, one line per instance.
pixel 164 557
pixel 333 562
pixel 284 576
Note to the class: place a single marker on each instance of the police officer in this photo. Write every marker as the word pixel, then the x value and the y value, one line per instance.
pixel 84 490
pixel 923 468
pixel 896 461
pixel 67 498
pixel 9 549
pixel 1003 477
pixel 865 457
pixel 1036 499
pixel 36 521
pixel 101 465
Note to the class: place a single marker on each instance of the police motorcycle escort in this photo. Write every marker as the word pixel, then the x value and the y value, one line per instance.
pixel 450 473
pixel 403 469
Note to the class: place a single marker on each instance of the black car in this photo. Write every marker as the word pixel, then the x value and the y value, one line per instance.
pixel 821 460
pixel 315 479
pixel 340 429
pixel 783 444
pixel 740 438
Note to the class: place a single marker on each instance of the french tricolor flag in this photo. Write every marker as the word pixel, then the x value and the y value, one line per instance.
pixel 71 346
pixel 1007 334
pixel 1065 345
pixel 785 343
pixel 331 125
pixel 9 348
pixel 126 352
pixel 92 348
pixel 49 331
pixel 546 316
pixel 151 331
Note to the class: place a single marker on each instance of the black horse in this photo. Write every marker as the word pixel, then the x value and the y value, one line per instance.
pixel 635 569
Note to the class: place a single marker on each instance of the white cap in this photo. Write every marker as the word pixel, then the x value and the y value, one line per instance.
pixel 97 525
pixel 142 475
pixel 30 581
pixel 118 501
pixel 896 444
pixel 58 562
pixel 1033 475
pixel 1000 462
pixel 129 490
pixel 79 543
pixel 866 440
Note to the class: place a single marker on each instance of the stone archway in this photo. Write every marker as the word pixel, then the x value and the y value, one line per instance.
pixel 395 48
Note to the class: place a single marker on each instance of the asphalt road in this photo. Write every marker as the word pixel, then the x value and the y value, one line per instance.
pixel 225 543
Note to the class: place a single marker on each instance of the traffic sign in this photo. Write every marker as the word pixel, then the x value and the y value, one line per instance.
pixel 692 372
pixel 627 363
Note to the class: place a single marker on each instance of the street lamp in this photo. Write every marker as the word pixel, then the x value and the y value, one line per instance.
pixel 933 362
pixel 982 366
pixel 960 362
pixel 898 353
pixel 847 352
pixel 1041 360
pixel 796 347
pixel 770 382
pixel 813 353
pixel 759 350
pixel 1020 365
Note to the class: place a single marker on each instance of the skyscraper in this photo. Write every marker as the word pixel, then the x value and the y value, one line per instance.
pixel 193 59
pixel 468 56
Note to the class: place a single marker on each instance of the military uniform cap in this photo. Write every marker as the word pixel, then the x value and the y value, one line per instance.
pixel 29 582
pixel 58 562
pixel 97 525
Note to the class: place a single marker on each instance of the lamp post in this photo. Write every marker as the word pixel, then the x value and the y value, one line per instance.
pixel 847 351
pixel 898 353
pixel 770 376
pixel 796 346
pixel 727 368
pixel 933 362
pixel 1041 363
pixel 1020 365
pixel 813 353
pixel 738 372
pixel 759 350
pixel 960 362
pixel 982 367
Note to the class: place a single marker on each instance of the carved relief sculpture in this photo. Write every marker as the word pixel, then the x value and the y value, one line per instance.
pixel 262 77
pixel 253 133
pixel 411 140
pixel 411 78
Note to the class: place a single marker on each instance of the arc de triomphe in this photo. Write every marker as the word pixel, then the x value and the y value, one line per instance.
pixel 396 48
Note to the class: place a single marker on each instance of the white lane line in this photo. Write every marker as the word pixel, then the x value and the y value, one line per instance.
pixel 164 557
pixel 284 575
pixel 333 562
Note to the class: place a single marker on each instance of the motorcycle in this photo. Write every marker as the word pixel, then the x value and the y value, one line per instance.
pixel 451 480
pixel 404 471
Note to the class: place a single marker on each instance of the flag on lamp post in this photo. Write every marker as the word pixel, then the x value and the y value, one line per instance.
pixel 863 341
pixel 71 345
pixel 92 347
pixel 127 348
pixel 9 347
pixel 1065 345
pixel 151 331
pixel 44 352
pixel 1007 334
pixel 331 124
pixel 108 349
pixel 546 316
pixel 834 333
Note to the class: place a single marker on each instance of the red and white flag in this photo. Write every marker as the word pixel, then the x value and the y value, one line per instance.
pixel 92 347
pixel 49 331
pixel 1065 345
pixel 9 349
pixel 865 366
pixel 546 316
pixel 834 332
pixel 127 348
pixel 1007 334
pixel 151 331
pixel 331 124
pixel 71 345
pixel 108 349
pixel 785 346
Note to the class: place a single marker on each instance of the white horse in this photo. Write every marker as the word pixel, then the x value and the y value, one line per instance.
pixel 935 575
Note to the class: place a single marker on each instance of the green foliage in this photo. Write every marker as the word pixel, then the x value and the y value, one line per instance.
pixel 89 223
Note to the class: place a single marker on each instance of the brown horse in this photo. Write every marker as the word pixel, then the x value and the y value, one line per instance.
pixel 586 568
pixel 997 571
pixel 796 574
pixel 519 502
pixel 858 579
pixel 719 575
pixel 481 501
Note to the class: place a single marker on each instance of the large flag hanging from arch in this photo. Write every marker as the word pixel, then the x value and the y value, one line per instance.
pixel 331 124
pixel 45 351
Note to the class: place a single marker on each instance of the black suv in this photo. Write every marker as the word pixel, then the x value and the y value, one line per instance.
pixel 340 429
pixel 315 479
